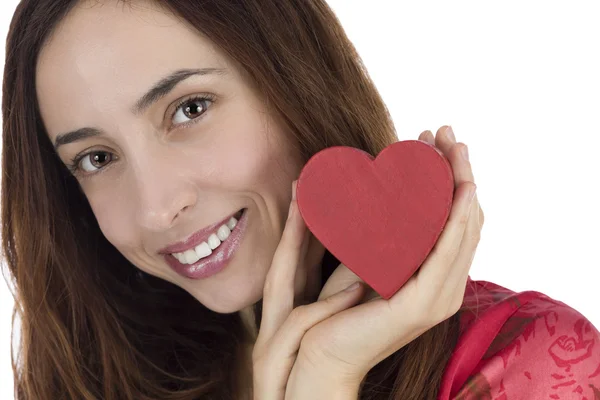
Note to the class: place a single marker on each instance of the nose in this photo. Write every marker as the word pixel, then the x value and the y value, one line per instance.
pixel 163 193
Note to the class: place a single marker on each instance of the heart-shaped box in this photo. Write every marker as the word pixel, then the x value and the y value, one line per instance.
pixel 380 217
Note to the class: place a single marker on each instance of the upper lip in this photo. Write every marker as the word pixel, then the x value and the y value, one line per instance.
pixel 196 238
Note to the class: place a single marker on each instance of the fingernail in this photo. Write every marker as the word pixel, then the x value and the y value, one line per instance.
pixel 430 138
pixel 352 287
pixel 450 133
pixel 465 152
pixel 425 135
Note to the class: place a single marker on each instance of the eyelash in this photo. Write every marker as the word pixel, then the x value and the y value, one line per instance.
pixel 74 167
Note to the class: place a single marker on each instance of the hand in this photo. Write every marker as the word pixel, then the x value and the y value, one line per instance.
pixel 283 326
pixel 347 345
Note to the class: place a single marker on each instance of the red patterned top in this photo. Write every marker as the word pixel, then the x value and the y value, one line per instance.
pixel 522 346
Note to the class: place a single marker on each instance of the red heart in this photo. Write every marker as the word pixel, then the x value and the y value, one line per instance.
pixel 379 217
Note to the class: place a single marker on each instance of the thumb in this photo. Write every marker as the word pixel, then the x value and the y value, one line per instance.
pixel 341 278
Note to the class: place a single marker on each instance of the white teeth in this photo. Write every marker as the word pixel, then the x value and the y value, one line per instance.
pixel 223 232
pixel 179 257
pixel 205 249
pixel 231 223
pixel 191 256
pixel 213 241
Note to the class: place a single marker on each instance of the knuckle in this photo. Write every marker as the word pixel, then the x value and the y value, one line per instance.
pixel 474 236
pixel 448 252
pixel 463 219
pixel 298 316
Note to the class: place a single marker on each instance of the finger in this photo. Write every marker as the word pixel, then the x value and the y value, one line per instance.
pixel 445 139
pixel 463 171
pixel 278 292
pixel 340 278
pixel 313 262
pixel 436 268
pixel 427 136
pixel 272 365
pixel 288 338
pixel 454 151
pixel 454 290
pixel 304 273
pixel 461 166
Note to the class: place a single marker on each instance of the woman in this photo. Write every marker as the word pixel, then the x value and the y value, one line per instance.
pixel 136 131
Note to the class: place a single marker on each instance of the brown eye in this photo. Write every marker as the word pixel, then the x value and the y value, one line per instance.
pixel 190 110
pixel 96 160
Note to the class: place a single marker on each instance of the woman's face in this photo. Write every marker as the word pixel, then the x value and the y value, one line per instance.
pixel 162 173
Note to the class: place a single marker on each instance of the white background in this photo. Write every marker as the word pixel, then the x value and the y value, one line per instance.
pixel 519 82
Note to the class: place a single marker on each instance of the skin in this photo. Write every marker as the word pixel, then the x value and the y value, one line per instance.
pixel 161 181
pixel 325 349
pixel 156 181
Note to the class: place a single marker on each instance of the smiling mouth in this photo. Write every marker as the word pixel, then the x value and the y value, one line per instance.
pixel 214 240
pixel 217 260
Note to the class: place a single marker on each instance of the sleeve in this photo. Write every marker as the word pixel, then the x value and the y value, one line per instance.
pixel 545 350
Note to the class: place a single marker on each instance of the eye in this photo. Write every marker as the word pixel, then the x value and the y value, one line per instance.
pixel 187 112
pixel 82 162
pixel 190 110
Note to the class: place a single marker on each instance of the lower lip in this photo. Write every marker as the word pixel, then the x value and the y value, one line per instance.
pixel 217 261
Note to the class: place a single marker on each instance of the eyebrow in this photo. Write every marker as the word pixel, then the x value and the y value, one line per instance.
pixel 156 92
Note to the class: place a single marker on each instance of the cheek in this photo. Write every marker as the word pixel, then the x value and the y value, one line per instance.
pixel 110 215
pixel 257 158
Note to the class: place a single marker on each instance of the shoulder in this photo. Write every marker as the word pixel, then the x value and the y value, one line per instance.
pixel 520 346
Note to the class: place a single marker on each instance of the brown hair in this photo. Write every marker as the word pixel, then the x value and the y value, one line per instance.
pixel 93 326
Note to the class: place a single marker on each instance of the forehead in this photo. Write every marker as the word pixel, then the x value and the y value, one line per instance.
pixel 113 53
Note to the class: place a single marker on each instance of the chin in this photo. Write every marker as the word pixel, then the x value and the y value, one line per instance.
pixel 229 301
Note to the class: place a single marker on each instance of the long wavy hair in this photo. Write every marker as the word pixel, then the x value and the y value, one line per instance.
pixel 93 326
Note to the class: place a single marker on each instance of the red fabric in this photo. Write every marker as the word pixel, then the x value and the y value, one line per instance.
pixel 524 345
